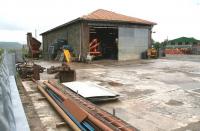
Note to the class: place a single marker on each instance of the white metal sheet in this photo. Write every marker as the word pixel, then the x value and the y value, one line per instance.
pixel 89 89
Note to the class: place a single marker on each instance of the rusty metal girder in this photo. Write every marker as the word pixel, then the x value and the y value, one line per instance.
pixel 94 120
pixel 96 114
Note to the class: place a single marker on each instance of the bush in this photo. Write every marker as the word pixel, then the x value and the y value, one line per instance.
pixel 1 52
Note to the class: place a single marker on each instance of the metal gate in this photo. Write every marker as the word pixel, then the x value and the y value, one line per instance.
pixel 132 43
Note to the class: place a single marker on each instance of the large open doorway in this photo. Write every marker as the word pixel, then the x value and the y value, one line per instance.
pixel 104 42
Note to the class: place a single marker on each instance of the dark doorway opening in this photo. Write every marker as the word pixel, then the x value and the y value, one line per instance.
pixel 107 41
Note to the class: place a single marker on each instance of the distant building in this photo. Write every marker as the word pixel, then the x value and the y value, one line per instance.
pixel 121 37
pixel 183 42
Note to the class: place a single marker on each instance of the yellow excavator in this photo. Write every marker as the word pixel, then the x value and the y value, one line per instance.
pixel 152 53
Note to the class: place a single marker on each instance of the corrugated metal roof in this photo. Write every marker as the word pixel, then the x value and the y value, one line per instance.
pixel 185 39
pixel 105 15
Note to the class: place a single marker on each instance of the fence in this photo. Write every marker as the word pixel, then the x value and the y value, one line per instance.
pixel 196 50
pixel 12 116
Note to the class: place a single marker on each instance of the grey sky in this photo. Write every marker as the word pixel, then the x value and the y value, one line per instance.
pixel 8 25
pixel 175 18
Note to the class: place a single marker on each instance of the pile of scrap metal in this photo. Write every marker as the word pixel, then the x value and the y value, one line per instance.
pixel 55 50
pixel 33 45
pixel 29 71
pixel 178 51
pixel 64 73
pixel 79 113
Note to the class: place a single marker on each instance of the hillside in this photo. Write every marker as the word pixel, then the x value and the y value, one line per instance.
pixel 10 45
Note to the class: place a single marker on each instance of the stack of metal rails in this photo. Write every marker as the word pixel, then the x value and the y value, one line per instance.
pixel 78 112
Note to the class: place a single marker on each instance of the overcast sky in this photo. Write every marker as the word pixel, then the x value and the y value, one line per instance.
pixel 174 18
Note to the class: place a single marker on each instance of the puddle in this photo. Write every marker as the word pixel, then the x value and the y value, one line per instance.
pixel 174 103
pixel 195 72
pixel 197 90
pixel 190 85
pixel 112 83
pixel 137 92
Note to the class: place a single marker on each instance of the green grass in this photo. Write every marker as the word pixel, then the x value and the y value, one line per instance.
pixel 1 52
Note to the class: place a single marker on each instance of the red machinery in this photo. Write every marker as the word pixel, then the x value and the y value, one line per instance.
pixel 93 48
pixel 33 45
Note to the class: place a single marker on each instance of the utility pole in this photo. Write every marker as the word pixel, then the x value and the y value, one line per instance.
pixel 167 41
pixel 36 33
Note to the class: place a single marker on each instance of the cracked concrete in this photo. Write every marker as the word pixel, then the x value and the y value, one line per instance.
pixel 156 95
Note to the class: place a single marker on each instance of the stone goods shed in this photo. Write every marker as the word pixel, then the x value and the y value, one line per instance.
pixel 120 37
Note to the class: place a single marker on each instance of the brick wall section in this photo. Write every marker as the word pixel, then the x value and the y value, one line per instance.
pixel 70 33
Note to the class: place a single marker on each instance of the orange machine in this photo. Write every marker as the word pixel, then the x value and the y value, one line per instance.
pixel 93 48
pixel 152 53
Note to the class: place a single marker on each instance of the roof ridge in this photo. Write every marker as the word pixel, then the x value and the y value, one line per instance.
pixel 106 15
pixel 102 14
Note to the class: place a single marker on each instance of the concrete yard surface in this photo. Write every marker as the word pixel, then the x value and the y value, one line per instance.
pixel 155 95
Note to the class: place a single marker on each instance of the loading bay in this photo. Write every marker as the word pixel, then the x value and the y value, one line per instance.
pixel 155 95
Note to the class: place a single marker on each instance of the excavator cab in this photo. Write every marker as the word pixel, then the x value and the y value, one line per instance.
pixel 152 53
